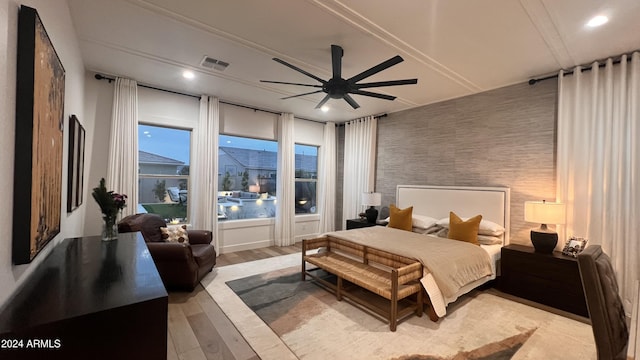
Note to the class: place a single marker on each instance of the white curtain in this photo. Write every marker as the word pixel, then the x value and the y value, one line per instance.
pixel 204 171
pixel 285 187
pixel 327 179
pixel 598 162
pixel 359 164
pixel 122 167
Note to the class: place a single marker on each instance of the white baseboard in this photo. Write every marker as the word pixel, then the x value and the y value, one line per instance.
pixel 246 246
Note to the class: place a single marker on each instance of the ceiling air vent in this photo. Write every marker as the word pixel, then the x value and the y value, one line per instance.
pixel 211 63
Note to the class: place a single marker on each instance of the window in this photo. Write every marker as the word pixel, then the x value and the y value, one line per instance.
pixel 306 178
pixel 163 172
pixel 247 178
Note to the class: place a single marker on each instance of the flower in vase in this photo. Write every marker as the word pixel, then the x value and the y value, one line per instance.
pixel 110 202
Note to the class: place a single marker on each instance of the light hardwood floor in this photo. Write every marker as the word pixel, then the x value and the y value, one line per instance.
pixel 199 330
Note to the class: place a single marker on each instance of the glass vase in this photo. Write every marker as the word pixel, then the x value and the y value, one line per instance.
pixel 109 229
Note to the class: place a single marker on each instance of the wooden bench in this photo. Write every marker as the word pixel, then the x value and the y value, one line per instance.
pixel 393 277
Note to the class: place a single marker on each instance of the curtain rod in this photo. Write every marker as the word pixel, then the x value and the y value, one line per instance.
pixel 110 79
pixel 601 63
pixel 379 116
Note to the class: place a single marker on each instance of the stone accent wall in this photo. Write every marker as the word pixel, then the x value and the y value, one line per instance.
pixel 503 137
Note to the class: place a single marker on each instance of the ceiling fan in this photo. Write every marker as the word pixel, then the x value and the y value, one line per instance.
pixel 339 88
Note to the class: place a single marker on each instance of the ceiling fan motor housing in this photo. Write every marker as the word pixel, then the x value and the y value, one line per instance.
pixel 336 88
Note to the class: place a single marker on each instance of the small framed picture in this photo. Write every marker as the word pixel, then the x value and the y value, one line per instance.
pixel 574 246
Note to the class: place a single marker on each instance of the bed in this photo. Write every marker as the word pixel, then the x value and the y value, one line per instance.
pixel 451 268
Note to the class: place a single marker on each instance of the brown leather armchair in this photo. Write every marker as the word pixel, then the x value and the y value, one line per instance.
pixel 181 265
pixel 608 320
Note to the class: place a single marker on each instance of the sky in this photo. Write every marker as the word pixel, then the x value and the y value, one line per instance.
pixel 174 143
pixel 167 142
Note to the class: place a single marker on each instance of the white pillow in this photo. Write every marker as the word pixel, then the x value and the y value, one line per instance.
pixel 175 233
pixel 430 230
pixel 482 239
pixel 420 221
pixel 486 227
pixel 489 240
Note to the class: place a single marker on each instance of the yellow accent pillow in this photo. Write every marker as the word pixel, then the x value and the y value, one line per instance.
pixel 400 218
pixel 464 230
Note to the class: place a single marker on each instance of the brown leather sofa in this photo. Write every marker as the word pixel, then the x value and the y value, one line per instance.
pixel 181 266
pixel 608 319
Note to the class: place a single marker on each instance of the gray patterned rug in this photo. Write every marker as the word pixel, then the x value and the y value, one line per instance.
pixel 314 325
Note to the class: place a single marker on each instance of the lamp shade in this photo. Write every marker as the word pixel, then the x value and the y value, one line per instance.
pixel 371 199
pixel 254 188
pixel 542 212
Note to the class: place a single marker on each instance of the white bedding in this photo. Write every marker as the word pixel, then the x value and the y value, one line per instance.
pixel 494 252
pixel 445 279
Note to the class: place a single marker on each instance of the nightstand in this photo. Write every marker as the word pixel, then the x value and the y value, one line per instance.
pixel 549 279
pixel 361 223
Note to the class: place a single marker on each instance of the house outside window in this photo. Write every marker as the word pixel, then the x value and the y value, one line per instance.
pixel 247 178
pixel 163 172
pixel 306 179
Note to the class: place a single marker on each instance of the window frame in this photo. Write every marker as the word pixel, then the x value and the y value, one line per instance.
pixel 263 173
pixel 309 180
pixel 176 177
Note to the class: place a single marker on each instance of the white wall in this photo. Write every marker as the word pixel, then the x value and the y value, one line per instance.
pixel 98 104
pixel 57 21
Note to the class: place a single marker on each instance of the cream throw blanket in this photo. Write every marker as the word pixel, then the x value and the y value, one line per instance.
pixel 448 265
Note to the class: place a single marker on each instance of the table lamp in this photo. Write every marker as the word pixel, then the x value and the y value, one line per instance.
pixel 371 199
pixel 544 240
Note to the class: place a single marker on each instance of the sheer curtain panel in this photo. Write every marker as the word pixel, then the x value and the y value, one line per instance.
pixel 122 168
pixel 204 171
pixel 285 187
pixel 359 164
pixel 327 179
pixel 599 161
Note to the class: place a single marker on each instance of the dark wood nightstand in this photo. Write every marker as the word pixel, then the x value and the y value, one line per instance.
pixel 549 279
pixel 361 223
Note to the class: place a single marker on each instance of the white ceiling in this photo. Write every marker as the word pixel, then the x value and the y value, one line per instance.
pixel 454 47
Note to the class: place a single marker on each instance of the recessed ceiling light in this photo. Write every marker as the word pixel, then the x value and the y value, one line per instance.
pixel 324 108
pixel 188 74
pixel 597 21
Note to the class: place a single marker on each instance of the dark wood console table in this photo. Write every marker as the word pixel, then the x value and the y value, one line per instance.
pixel 89 299
pixel 550 279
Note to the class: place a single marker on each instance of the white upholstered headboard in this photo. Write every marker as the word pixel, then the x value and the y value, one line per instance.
pixel 436 201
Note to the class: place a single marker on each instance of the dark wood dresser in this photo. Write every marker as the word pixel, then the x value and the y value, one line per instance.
pixel 549 279
pixel 89 299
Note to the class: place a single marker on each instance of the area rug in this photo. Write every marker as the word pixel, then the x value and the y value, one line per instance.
pixel 307 321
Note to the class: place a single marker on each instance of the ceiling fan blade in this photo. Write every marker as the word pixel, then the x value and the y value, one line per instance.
pixel 385 83
pixel 376 69
pixel 323 101
pixel 299 70
pixel 309 93
pixel 372 94
pixel 350 100
pixel 289 83
pixel 336 61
